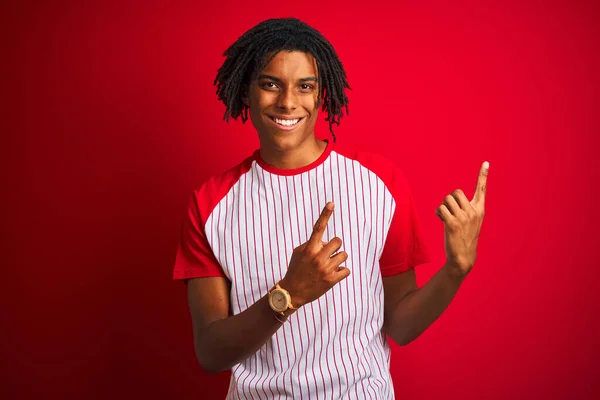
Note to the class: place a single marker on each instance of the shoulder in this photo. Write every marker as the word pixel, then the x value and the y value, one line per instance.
pixel 381 166
pixel 214 189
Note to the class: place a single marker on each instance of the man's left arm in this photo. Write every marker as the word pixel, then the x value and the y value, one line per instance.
pixel 410 310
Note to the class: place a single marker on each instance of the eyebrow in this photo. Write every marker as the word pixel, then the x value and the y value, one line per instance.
pixel 274 78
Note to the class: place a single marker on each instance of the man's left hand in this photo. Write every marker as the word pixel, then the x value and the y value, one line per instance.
pixel 462 223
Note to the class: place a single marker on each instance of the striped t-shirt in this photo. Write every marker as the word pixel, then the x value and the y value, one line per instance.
pixel 244 224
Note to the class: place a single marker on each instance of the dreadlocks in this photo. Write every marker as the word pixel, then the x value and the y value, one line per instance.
pixel 248 56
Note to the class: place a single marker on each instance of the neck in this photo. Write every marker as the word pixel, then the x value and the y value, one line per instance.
pixel 302 155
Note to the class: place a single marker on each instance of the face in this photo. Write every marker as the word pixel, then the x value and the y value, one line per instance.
pixel 283 101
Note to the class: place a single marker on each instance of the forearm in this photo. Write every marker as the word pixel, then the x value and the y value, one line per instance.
pixel 229 341
pixel 420 308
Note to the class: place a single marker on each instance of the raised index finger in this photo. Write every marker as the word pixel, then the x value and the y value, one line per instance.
pixel 316 238
pixel 479 197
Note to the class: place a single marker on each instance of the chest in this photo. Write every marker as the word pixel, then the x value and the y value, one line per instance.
pixel 264 217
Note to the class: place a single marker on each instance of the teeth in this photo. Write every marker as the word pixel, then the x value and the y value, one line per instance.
pixel 286 122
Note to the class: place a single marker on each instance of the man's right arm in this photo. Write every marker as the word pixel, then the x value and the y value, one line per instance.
pixel 221 340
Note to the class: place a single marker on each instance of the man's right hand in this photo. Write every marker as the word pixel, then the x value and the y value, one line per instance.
pixel 313 268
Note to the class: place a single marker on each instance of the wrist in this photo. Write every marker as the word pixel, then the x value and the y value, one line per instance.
pixel 296 301
pixel 454 272
pixel 281 303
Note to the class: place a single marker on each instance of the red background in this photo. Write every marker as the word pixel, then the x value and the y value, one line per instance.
pixel 110 120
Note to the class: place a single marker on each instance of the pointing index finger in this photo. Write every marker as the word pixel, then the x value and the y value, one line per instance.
pixel 316 238
pixel 479 197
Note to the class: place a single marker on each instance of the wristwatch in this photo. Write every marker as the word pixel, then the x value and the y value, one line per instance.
pixel 280 300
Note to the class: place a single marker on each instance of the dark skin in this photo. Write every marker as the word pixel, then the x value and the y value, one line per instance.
pixel 287 89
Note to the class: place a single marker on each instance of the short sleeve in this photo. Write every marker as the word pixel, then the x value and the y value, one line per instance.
pixel 404 246
pixel 195 258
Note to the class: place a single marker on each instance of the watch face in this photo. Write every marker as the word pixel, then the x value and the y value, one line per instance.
pixel 278 300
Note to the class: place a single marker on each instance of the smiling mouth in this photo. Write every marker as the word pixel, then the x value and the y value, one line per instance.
pixel 286 123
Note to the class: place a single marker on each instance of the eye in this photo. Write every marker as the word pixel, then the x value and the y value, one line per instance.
pixel 270 85
pixel 305 87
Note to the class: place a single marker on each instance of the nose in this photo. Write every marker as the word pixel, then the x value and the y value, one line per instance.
pixel 287 100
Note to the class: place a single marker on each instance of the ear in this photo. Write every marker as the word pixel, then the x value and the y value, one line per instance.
pixel 244 95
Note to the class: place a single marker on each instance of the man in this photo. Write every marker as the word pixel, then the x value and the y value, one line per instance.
pixel 300 260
